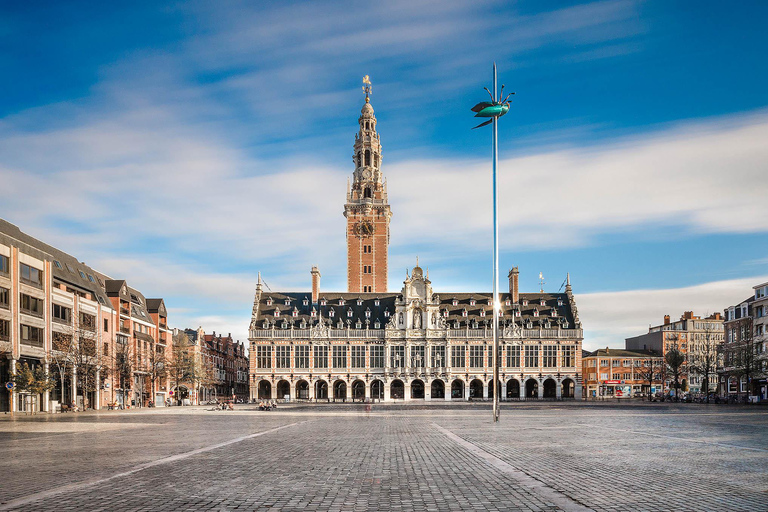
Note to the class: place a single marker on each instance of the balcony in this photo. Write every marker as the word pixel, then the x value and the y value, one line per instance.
pixel 125 330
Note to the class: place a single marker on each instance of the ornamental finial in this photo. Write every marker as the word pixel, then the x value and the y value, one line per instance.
pixel 367 87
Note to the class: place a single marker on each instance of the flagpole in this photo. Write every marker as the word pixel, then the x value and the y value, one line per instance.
pixel 496 302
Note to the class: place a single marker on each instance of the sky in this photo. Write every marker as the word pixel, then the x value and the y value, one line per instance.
pixel 187 146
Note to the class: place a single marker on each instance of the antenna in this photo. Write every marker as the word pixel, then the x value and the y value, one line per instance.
pixel 541 282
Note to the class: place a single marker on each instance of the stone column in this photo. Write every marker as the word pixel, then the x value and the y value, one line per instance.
pixel 386 391
pixel 45 406
pixel 485 390
pixel 312 390
pixel 292 390
pixel 559 390
pixel 368 391
pixel 503 391
pixel 448 392
pixel 541 388
pixel 522 388
pixel 407 391
pixel 73 387
pixel 14 396
pixel 466 391
pixel 97 394
pixel 349 391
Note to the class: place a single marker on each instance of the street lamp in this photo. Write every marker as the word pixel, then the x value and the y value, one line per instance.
pixel 494 109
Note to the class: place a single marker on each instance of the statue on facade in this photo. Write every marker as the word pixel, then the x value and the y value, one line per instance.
pixel 417 319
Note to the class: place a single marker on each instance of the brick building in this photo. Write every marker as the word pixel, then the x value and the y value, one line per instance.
pixel 229 363
pixel 745 361
pixel 698 339
pixel 59 313
pixel 616 373
pixel 369 343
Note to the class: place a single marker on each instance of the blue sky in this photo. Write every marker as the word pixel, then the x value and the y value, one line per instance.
pixel 186 146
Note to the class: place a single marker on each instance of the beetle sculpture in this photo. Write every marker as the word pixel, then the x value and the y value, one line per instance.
pixel 493 109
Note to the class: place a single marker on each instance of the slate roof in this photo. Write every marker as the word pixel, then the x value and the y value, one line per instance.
pixel 618 352
pixel 65 267
pixel 555 309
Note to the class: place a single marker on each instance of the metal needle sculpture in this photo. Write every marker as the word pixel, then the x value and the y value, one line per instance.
pixel 494 109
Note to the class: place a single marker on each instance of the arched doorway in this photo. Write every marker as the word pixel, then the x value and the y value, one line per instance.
pixel 265 389
pixel 531 388
pixel 476 389
pixel 302 390
pixel 491 388
pixel 513 388
pixel 568 389
pixel 339 390
pixel 377 390
pixel 321 390
pixel 397 390
pixel 438 389
pixel 358 390
pixel 457 389
pixel 283 388
pixel 550 388
pixel 417 390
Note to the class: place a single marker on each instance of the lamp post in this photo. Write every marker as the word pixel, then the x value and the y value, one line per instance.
pixel 494 109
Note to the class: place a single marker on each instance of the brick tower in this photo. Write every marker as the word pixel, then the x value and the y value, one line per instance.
pixel 367 210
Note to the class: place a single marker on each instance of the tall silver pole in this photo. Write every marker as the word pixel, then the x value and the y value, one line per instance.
pixel 496 303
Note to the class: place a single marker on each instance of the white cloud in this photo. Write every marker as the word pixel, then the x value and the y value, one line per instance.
pixel 611 317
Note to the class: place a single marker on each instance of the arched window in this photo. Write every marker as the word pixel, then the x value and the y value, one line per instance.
pixel 367 193
pixel 367 157
pixel 376 159
pixel 367 125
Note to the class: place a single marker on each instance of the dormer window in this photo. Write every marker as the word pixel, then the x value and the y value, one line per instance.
pixel 313 313
pixel 340 324
pixel 472 301
pixel 359 302
pixel 367 313
pixel 269 301
pixel 323 302
pixel 455 324
pixel 341 302
pixel 559 301
pixel 331 313
pixel 482 313
pixel 464 313
pixel 564 323
pixel 490 302
pixel 525 302
pixel 542 302
pixel 358 325
pixel 536 312
pixel 445 313
pixel 266 324
pixel 474 324
pixel 517 313
pixel 306 301
pixel 377 325
pixel 285 324
pixel 507 302
pixel 303 324
pixel 377 302
pixel 277 312
pixel 287 302
pixel 349 313
pixel 386 313
pixel 295 313
pixel 554 313
pixel 455 302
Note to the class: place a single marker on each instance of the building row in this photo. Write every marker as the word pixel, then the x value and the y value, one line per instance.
pixel 101 341
pixel 224 367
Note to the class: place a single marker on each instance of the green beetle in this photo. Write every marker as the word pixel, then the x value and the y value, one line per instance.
pixel 493 109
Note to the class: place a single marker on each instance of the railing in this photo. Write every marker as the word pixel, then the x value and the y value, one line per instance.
pixel 431 333
pixel 125 311
pixel 125 330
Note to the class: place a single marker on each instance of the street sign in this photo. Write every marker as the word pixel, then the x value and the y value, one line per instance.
pixel 9 385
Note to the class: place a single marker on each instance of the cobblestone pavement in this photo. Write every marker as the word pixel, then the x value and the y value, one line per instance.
pixel 538 457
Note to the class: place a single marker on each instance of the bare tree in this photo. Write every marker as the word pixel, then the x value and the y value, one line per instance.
pixel 158 365
pixel 745 360
pixel 123 366
pixel 649 372
pixel 675 361
pixel 704 360
pixel 181 368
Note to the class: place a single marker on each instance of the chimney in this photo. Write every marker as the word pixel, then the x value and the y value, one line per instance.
pixel 315 284
pixel 514 277
pixel 688 315
pixel 666 319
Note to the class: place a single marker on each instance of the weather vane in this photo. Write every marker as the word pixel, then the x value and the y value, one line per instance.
pixel 367 87
pixel 494 109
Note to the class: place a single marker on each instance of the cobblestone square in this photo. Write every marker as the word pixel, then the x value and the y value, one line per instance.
pixel 399 458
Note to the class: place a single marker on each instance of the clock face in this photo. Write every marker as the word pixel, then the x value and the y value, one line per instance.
pixel 364 228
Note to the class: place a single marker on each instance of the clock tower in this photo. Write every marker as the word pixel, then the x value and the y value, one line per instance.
pixel 367 210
